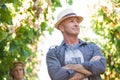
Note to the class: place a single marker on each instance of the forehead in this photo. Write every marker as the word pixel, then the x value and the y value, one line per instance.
pixel 18 67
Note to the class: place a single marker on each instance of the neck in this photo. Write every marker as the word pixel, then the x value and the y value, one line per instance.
pixel 71 40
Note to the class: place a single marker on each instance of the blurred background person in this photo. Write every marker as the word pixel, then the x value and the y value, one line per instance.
pixel 17 71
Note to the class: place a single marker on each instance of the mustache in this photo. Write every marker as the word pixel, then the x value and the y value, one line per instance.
pixel 76 25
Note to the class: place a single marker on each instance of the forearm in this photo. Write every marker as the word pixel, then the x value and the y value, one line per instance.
pixel 79 68
pixel 96 67
pixel 82 69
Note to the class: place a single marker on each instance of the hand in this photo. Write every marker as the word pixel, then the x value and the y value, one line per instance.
pixel 95 58
pixel 69 66
pixel 77 76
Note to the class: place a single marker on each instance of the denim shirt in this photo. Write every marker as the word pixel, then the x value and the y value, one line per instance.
pixel 55 60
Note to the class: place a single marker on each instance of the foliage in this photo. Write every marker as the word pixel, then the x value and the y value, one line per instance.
pixel 69 2
pixel 56 3
pixel 22 23
pixel 106 23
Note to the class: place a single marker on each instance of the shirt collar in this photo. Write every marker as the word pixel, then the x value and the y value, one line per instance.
pixel 80 43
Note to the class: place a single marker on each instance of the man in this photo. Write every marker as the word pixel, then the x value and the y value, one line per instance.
pixel 17 71
pixel 74 59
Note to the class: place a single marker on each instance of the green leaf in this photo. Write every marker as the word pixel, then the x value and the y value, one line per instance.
pixel 55 4
pixel 5 15
pixel 43 26
pixel 2 2
pixel 50 30
pixel 70 2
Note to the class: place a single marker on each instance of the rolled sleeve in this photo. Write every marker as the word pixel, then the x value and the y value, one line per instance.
pixel 96 67
pixel 55 69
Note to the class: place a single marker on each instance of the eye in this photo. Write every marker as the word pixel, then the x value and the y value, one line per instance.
pixel 71 20
pixel 21 69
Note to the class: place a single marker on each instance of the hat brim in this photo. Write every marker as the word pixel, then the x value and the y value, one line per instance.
pixel 80 18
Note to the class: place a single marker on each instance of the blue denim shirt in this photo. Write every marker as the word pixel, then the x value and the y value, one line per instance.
pixel 55 60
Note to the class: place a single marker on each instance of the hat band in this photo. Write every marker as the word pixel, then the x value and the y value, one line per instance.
pixel 69 14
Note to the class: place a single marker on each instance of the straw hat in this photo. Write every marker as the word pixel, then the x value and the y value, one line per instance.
pixel 66 14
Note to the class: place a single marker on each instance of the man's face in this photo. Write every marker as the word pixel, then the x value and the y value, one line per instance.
pixel 18 72
pixel 70 26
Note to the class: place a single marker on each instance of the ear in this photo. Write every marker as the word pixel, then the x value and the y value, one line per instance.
pixel 61 27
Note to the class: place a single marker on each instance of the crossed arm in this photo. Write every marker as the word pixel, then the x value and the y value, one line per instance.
pixel 80 70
